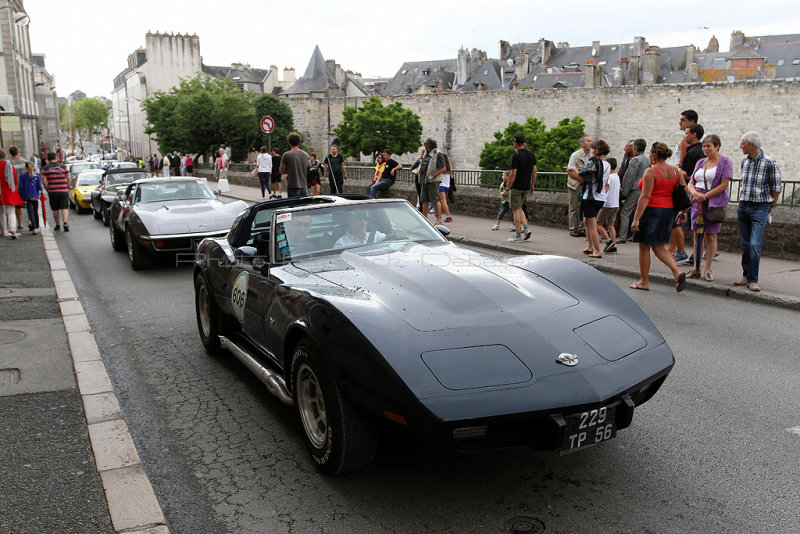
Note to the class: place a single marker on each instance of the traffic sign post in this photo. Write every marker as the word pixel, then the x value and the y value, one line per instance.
pixel 267 124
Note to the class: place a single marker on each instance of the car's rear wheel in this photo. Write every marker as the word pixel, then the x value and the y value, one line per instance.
pixel 117 238
pixel 338 439
pixel 138 255
pixel 209 318
pixel 104 213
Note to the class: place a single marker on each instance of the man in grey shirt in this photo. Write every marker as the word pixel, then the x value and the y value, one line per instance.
pixel 294 163
pixel 629 187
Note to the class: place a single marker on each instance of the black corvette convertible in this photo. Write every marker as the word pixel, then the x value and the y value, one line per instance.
pixel 361 315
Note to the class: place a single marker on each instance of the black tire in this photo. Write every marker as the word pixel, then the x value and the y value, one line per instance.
pixel 97 214
pixel 209 317
pixel 337 438
pixel 73 205
pixel 140 258
pixel 104 214
pixel 117 238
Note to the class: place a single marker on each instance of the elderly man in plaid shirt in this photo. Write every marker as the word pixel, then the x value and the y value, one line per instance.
pixel 761 187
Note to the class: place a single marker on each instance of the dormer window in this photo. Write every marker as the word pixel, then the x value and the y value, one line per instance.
pixel 426 72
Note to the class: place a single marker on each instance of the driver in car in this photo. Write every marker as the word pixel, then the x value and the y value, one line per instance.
pixel 356 232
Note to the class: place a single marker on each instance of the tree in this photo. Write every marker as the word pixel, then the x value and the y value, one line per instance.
pixel 89 114
pixel 199 114
pixel 281 112
pixel 375 127
pixel 552 148
pixel 62 116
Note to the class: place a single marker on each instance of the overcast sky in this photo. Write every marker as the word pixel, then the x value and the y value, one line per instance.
pixel 87 43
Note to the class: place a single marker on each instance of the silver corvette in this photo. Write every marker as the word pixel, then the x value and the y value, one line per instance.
pixel 158 216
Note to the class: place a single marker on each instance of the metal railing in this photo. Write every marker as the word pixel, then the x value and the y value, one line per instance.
pixel 553 182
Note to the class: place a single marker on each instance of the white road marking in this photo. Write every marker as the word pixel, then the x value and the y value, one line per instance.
pixel 794 430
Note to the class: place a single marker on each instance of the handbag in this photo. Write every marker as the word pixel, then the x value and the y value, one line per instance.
pixel 680 200
pixel 255 172
pixel 713 215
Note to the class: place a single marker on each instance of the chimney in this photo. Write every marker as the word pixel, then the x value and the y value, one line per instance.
pixel 545 47
pixel 617 76
pixel 633 70
pixel 770 71
pixel 595 48
pixel 522 64
pixel 288 75
pixel 505 50
pixel 690 51
pixel 594 73
pixel 737 40
pixel 639 46
pixel 562 44
pixel 623 63
pixel 651 66
pixel 693 73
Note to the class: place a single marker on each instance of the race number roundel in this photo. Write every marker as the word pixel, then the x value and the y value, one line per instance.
pixel 239 295
pixel 267 124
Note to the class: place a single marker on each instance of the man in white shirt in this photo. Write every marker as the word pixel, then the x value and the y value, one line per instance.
pixel 577 161
pixel 356 232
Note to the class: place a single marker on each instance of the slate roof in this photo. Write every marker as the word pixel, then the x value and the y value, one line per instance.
pixel 236 74
pixel 414 74
pixel 494 75
pixel 316 78
pixel 781 50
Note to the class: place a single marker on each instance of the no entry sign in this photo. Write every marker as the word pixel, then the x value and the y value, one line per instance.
pixel 267 124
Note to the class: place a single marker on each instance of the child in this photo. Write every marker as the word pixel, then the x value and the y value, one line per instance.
pixel 30 188
pixel 504 207
pixel 608 213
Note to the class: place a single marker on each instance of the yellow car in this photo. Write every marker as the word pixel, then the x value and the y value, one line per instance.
pixel 80 194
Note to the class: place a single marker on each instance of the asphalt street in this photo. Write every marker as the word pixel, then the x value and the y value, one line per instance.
pixel 714 451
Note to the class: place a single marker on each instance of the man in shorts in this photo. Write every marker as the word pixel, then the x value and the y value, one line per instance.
pixel 55 178
pixel 520 184
pixel 431 168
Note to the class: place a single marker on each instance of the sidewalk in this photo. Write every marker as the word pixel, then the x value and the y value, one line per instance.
pixel 779 279
pixel 68 463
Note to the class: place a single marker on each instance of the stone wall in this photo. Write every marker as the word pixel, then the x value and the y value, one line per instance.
pixel 781 239
pixel 464 122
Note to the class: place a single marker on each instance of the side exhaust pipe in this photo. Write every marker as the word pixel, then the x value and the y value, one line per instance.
pixel 274 381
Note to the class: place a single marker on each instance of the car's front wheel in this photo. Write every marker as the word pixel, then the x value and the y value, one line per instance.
pixel 104 213
pixel 338 439
pixel 209 319
pixel 117 237
pixel 140 259
pixel 97 214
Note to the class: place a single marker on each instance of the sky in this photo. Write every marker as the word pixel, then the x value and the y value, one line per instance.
pixel 87 43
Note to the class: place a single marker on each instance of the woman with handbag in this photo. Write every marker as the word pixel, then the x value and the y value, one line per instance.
pixel 709 190
pixel 652 222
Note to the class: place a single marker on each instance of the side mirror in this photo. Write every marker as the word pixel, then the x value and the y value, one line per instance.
pixel 445 231
pixel 245 254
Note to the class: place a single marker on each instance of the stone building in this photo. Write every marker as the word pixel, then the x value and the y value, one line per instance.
pixel 19 111
pixel 47 101
pixel 324 79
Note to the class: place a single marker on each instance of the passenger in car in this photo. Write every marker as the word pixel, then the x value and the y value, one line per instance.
pixel 356 232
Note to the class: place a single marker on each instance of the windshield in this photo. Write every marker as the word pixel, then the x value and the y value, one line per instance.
pixel 88 178
pixel 184 190
pixel 79 167
pixel 125 177
pixel 373 226
pixel 125 165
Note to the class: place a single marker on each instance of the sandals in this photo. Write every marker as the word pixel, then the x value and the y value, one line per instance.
pixel 595 255
pixel 587 251
pixel 708 276
pixel 693 274
pixel 680 283
pixel 636 285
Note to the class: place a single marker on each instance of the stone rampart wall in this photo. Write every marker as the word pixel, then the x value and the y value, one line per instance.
pixel 463 122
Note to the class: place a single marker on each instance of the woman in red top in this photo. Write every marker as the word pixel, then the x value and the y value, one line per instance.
pixel 9 196
pixel 652 222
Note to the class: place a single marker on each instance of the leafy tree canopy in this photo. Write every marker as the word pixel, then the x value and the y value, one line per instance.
pixel 281 112
pixel 375 127
pixel 552 147
pixel 89 114
pixel 62 116
pixel 200 114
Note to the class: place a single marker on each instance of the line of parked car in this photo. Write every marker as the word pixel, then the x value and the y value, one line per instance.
pixel 149 216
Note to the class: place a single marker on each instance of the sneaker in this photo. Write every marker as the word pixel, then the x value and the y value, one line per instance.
pixel 680 256
pixel 66 227
pixel 57 228
pixel 753 286
pixel 496 227
pixel 742 282
pixel 689 260
pixel 449 219
pixel 609 244
pixel 612 248
pixel 527 234
pixel 516 239
pixel 574 233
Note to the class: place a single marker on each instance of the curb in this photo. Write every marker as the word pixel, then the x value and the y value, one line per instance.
pixel 762 297
pixel 132 503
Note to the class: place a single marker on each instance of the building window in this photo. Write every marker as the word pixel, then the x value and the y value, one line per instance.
pixel 796 62
pixel 719 59
pixel 780 62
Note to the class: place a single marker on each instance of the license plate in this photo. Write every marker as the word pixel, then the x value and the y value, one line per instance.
pixel 588 428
